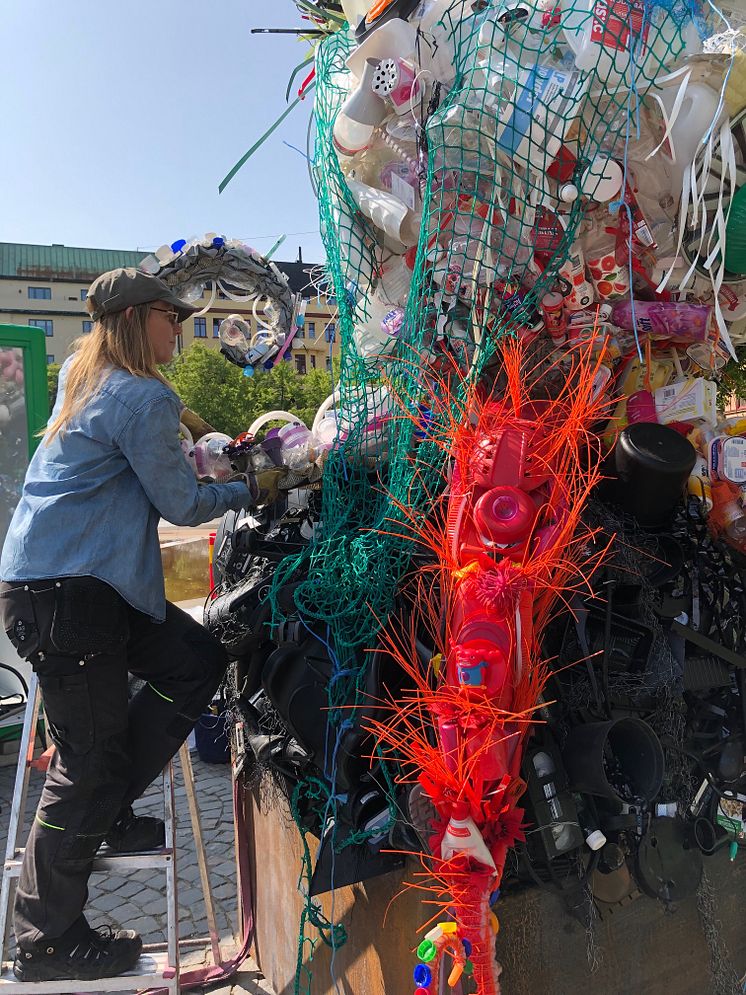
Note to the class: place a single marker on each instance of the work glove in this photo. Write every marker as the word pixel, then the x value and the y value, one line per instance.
pixel 263 485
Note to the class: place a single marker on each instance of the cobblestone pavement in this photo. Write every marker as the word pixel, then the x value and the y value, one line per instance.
pixel 137 900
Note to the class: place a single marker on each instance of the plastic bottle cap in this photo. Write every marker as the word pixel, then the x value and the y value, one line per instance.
pixel 494 923
pixel 603 180
pixel 468 968
pixel 568 193
pixel 422 976
pixel 596 839
pixel 427 951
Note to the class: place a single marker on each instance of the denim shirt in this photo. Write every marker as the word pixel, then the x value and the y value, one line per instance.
pixel 93 496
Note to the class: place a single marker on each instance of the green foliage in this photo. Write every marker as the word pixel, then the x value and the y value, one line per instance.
pixel 219 392
pixel 53 376
pixel 733 379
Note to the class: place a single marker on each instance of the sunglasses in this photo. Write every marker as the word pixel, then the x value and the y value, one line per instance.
pixel 172 316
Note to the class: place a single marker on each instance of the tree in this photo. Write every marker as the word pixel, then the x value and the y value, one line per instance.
pixel 53 376
pixel 219 392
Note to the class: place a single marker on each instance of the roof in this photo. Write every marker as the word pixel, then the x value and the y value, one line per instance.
pixel 61 262
pixel 67 262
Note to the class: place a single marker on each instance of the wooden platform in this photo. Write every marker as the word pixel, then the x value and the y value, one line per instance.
pixel 643 949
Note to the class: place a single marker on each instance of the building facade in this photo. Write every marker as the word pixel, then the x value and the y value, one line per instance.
pixel 46 286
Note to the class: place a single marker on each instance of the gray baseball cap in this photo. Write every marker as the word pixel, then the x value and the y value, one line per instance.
pixel 122 288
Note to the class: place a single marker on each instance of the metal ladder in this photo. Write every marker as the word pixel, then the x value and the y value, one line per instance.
pixel 159 965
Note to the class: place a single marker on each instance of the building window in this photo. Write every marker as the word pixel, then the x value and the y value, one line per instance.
pixel 45 323
pixel 311 326
pixel 216 323
pixel 50 357
pixel 300 364
pixel 87 325
pixel 330 332
pixel 84 295
pixel 328 364
pixel 200 328
pixel 40 293
pixel 313 362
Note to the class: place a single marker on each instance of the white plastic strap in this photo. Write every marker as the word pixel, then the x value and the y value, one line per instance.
pixel 209 304
pixel 670 122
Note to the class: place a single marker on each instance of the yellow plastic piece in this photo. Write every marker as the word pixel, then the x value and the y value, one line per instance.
pixel 494 923
pixel 447 927
pixel 437 663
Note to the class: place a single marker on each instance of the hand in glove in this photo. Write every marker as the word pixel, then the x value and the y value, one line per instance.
pixel 263 485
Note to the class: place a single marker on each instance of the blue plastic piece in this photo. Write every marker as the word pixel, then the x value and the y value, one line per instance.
pixel 422 976
pixel 494 896
pixel 467 947
pixel 178 245
pixel 218 241
pixel 248 371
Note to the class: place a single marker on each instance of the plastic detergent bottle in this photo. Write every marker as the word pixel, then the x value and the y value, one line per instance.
pixel 462 836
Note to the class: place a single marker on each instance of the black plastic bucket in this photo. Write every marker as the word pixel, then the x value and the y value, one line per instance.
pixel 653 463
pixel 600 756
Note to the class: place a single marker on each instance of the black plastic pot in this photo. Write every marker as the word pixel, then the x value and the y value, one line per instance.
pixel 652 465
pixel 630 743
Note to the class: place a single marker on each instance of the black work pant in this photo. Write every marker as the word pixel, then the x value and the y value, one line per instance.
pixel 109 748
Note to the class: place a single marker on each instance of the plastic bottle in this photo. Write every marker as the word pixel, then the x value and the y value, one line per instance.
pixel 295 443
pixel 728 512
pixel 592 834
pixel 562 833
pixel 573 270
pixel 462 836
pixel 665 319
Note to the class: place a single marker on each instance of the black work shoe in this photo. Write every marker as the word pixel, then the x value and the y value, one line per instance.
pixel 103 953
pixel 132 833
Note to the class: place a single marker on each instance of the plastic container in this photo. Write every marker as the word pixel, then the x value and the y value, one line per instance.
pixel 735 234
pixel 653 464
pixel 691 400
pixel 504 516
pixel 462 836
pixel 552 308
pixel 211 738
pixel 602 180
pixel 209 459
pixel 699 484
pixel 610 278
pixel 604 37
pixel 679 321
pixel 360 114
pixel 295 442
pixel 727 459
pixel 634 747
pixel 581 294
pixel 641 407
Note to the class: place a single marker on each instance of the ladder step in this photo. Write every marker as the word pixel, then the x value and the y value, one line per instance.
pixel 151 971
pixel 108 862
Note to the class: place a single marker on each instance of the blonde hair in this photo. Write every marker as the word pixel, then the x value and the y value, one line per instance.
pixel 115 340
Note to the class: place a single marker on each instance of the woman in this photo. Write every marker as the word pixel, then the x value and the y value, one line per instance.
pixel 82 598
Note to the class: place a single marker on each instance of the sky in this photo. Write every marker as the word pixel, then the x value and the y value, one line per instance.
pixel 120 119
